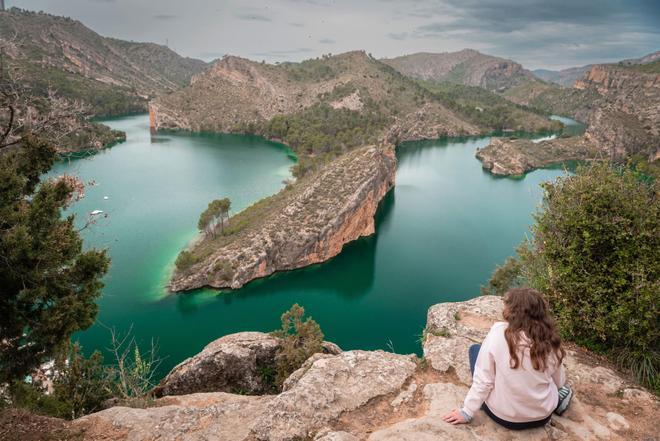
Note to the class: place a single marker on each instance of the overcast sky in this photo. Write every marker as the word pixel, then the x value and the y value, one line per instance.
pixel 536 33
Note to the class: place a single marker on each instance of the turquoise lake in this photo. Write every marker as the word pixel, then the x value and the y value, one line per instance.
pixel 440 233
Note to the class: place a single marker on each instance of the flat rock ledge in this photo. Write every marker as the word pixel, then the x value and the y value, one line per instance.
pixel 515 157
pixel 378 396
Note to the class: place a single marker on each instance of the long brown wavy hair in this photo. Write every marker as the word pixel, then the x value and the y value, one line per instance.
pixel 527 311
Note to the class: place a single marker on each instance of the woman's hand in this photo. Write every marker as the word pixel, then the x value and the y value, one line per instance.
pixel 454 417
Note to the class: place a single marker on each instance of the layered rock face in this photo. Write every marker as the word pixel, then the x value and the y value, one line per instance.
pixel 515 157
pixel 306 225
pixel 626 119
pixel 378 396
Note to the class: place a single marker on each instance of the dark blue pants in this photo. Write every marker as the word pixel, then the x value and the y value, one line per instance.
pixel 473 352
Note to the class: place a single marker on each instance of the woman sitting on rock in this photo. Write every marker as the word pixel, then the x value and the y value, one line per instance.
pixel 517 373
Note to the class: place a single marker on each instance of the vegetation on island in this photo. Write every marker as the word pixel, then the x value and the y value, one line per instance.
pixel 595 254
pixel 217 211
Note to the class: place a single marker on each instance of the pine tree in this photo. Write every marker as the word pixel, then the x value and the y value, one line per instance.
pixel 48 284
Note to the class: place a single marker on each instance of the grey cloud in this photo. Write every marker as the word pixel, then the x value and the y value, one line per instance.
pixel 398 36
pixel 282 53
pixel 165 16
pixel 536 33
pixel 211 55
pixel 251 17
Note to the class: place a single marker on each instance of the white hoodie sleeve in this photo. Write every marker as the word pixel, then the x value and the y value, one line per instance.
pixel 483 379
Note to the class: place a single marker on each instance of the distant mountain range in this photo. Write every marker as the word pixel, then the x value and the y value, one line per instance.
pixel 236 92
pixel 568 77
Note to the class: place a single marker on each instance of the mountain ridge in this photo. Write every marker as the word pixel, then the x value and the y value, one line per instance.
pixel 111 75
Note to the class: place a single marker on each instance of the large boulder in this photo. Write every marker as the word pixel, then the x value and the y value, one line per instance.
pixel 241 363
pixel 236 363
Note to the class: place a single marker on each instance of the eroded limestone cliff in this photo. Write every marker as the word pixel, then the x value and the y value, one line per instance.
pixel 305 224
pixel 626 119
pixel 378 396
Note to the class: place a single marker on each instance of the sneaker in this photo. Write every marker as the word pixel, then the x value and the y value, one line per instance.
pixel 565 395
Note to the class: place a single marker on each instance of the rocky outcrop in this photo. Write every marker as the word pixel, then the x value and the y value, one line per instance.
pixel 234 363
pixel 515 157
pixel 626 118
pixel 329 386
pixel 307 224
pixel 242 363
pixel 621 106
pixel 380 396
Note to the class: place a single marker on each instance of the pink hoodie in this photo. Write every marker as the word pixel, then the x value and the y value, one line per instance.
pixel 516 395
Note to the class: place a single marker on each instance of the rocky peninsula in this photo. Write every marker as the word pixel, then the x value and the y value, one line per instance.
pixel 371 395
pixel 306 223
pixel 517 156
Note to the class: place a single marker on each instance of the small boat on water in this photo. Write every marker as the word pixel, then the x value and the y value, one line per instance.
pixel 96 212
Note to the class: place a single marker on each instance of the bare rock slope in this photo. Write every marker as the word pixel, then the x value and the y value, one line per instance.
pixel 625 119
pixel 111 75
pixel 306 224
pixel 376 396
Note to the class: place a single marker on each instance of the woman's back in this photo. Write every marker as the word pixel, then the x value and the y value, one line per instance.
pixel 520 394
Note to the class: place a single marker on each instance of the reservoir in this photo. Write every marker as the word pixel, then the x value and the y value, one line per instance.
pixel 439 234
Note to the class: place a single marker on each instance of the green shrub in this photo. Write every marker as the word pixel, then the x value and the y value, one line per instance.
pixel 185 260
pixel 223 269
pixel 80 387
pixel 595 253
pixel 83 383
pixel 299 341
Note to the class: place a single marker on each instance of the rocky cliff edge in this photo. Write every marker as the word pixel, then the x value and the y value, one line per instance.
pixel 377 396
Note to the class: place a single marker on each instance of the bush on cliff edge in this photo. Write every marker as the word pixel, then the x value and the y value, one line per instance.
pixel 595 253
pixel 299 341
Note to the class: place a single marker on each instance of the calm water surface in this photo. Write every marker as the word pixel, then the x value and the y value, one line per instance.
pixel 440 233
